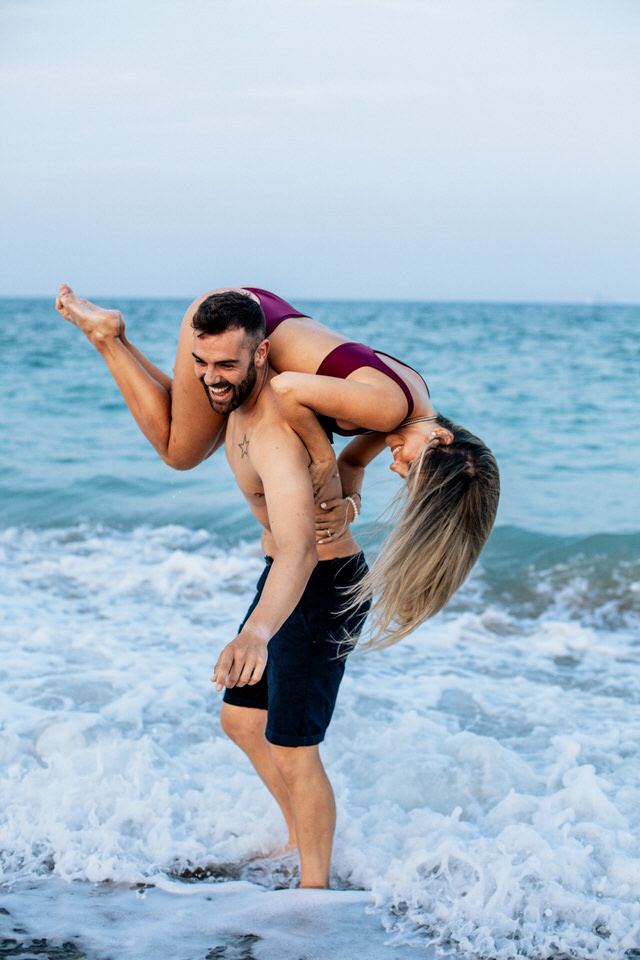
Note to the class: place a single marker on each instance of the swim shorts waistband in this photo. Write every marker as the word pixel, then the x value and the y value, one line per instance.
pixel 326 570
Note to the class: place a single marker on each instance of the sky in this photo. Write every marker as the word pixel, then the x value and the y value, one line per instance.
pixel 330 149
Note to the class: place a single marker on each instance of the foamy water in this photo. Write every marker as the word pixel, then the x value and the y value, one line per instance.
pixel 485 770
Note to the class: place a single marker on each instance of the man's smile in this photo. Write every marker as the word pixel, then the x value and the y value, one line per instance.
pixel 219 389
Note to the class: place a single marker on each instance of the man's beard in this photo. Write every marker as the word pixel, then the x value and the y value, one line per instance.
pixel 240 391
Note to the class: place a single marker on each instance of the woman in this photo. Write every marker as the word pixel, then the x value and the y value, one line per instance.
pixel 452 478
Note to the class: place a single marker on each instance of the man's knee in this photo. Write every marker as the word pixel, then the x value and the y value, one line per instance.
pixel 243 724
pixel 295 763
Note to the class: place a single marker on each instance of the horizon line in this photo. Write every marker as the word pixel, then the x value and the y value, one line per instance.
pixel 510 301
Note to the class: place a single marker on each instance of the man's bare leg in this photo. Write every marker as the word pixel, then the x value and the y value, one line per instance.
pixel 246 727
pixel 314 810
pixel 174 415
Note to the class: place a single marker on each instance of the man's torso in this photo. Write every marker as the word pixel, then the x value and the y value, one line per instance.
pixel 261 432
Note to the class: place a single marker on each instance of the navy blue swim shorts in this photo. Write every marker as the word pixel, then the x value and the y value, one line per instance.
pixel 306 656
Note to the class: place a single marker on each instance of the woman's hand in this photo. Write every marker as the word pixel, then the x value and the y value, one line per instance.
pixel 332 519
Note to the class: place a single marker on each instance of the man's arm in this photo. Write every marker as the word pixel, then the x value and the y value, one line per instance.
pixel 282 464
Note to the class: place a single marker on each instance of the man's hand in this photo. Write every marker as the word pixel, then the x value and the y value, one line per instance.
pixel 322 472
pixel 242 661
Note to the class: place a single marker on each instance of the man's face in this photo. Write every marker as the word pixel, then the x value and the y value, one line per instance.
pixel 226 368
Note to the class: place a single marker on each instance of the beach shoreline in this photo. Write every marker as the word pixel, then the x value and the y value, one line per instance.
pixel 209 919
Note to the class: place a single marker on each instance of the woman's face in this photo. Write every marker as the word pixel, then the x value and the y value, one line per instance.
pixel 407 443
pixel 405 446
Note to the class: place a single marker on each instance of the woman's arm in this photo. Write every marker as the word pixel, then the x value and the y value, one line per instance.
pixel 379 407
pixel 376 403
pixel 334 516
pixel 357 455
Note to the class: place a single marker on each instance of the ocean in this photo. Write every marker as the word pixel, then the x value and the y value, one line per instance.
pixel 485 769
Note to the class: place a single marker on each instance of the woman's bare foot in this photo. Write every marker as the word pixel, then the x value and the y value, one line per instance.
pixel 96 322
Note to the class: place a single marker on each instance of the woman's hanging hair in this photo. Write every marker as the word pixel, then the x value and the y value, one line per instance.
pixel 444 517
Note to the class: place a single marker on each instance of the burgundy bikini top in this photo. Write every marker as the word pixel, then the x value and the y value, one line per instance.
pixel 347 357
pixel 340 362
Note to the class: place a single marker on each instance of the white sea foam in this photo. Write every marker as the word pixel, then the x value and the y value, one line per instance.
pixel 171 921
pixel 485 769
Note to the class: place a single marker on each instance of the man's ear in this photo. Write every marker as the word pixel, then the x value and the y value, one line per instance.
pixel 262 352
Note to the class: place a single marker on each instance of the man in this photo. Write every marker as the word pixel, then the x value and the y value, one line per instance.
pixel 283 669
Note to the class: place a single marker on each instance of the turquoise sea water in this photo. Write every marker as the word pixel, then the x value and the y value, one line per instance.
pixel 552 389
pixel 485 769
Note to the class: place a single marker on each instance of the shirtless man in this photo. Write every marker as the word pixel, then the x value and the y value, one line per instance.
pixel 282 671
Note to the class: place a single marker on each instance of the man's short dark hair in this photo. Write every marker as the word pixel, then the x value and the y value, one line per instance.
pixel 230 310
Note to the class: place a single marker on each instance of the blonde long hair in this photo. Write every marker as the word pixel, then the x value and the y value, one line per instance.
pixel 442 521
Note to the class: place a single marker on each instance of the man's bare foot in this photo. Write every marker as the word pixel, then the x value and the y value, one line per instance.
pixel 282 851
pixel 96 322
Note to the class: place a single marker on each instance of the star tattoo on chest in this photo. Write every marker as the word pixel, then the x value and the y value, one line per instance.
pixel 244 447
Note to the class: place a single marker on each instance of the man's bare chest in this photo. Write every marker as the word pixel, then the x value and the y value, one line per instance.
pixel 238 448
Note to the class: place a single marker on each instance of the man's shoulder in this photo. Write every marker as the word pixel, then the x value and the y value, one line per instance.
pixel 272 435
pixel 268 412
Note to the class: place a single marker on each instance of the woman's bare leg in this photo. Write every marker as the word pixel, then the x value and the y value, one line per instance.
pixel 174 415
